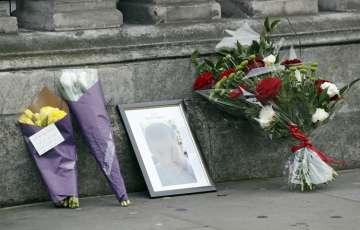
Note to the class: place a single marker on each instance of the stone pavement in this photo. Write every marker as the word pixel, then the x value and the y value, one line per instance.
pixel 253 204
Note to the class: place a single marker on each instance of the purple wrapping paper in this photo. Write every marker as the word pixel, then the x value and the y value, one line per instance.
pixel 57 166
pixel 95 125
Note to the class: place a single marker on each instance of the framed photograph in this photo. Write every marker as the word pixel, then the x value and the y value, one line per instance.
pixel 165 148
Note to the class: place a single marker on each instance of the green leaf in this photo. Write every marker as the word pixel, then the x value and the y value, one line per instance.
pixel 218 65
pixel 209 63
pixel 239 47
pixel 253 49
pixel 323 97
pixel 274 24
pixel 267 24
pixel 225 51
pixel 194 57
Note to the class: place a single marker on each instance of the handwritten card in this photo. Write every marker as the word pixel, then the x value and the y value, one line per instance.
pixel 46 139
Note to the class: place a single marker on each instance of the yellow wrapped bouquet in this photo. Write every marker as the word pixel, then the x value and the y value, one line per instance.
pixel 47 115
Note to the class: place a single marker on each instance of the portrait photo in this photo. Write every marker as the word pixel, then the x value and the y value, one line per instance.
pixel 167 152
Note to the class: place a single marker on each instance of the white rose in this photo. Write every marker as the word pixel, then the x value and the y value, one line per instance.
pixel 331 88
pixel 319 115
pixel 266 116
pixel 269 60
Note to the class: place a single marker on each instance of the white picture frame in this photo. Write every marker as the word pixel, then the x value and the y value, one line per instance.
pixel 165 147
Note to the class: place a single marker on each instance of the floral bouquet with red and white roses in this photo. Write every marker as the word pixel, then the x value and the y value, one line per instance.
pixel 286 99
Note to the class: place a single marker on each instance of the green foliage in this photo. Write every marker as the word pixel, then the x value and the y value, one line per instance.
pixel 226 59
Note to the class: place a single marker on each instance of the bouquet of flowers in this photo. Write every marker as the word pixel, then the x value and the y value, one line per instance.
pixel 286 99
pixel 58 165
pixel 82 90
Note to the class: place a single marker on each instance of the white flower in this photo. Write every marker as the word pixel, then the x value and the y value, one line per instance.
pixel 269 60
pixel 266 116
pixel 298 75
pixel 319 115
pixel 67 78
pixel 75 82
pixel 331 88
pixel 82 78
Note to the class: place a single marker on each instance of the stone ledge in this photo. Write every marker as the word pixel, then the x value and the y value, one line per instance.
pixel 31 49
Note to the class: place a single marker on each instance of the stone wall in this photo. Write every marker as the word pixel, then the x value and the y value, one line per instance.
pixel 151 63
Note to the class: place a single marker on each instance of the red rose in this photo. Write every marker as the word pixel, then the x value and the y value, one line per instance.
pixel 235 93
pixel 253 64
pixel 291 62
pixel 226 73
pixel 268 89
pixel 204 81
pixel 319 90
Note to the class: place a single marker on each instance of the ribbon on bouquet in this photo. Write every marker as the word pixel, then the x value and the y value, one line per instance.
pixel 297 134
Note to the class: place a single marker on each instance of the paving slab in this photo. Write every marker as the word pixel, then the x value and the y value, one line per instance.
pixel 253 204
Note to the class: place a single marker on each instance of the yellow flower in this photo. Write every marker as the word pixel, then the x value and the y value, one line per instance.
pixel 48 115
pixel 37 119
pixel 47 109
pixel 24 119
pixel 55 115
pixel 28 113
pixel 43 119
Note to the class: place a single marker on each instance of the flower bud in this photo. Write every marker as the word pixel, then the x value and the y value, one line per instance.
pixel 293 68
pixel 313 68
pixel 315 65
pixel 251 57
pixel 244 63
pixel 303 71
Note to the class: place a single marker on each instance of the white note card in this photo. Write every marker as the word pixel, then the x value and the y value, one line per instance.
pixel 46 139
